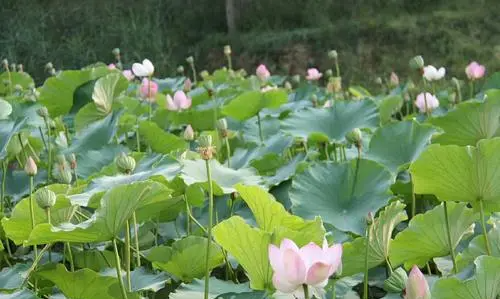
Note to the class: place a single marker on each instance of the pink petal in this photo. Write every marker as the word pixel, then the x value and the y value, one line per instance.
pixel 334 257
pixel 318 273
pixel 416 285
pixel 276 258
pixel 294 266
pixel 282 285
pixel 171 105
pixel 311 253
pixel 288 244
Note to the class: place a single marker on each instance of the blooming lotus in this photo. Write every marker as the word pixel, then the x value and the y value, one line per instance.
pixel 416 285
pixel 128 74
pixel 313 74
pixel 144 69
pixel 148 90
pixel 111 66
pixel 262 72
pixel 475 71
pixel 433 74
pixel 311 265
pixel 179 102
pixel 426 102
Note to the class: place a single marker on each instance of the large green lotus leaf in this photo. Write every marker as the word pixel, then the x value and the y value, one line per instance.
pixel 58 91
pixel 477 247
pixel 143 280
pixel 117 206
pixel 200 118
pixel 96 135
pixel 92 161
pixel 196 289
pixel 159 140
pixel 250 248
pixel 342 194
pixel 186 258
pixel 250 130
pixel 27 110
pixel 484 285
pixel 353 257
pixel 83 284
pixel 246 295
pixel 455 173
pixel 334 123
pixel 223 178
pixel 5 109
pixel 287 171
pixel 18 226
pixel 398 144
pixel 21 294
pixel 426 236
pixel 250 103
pixel 470 122
pixel 93 259
pixel 242 157
pixel 12 278
pixel 16 78
pixel 7 130
pixel 272 217
pixel 388 106
pixel 492 82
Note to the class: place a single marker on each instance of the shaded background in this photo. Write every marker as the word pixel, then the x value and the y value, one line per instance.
pixel 373 38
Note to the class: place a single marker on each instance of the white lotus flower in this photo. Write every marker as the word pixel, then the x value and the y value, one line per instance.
pixel 146 69
pixel 433 74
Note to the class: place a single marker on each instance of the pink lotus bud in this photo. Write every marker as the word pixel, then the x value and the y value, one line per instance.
pixel 128 74
pixel 313 74
pixel 30 168
pixel 179 102
pixel 262 72
pixel 189 133
pixel 394 79
pixel 433 74
pixel 475 71
pixel 416 285
pixel 148 90
pixel 426 102
pixel 311 265
pixel 111 66
pixel 187 85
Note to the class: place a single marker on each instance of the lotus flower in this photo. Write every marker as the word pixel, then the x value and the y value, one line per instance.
pixel 144 69
pixel 433 74
pixel 148 90
pixel 426 102
pixel 111 66
pixel 30 167
pixel 128 74
pixel 187 85
pixel 416 285
pixel 313 74
pixel 189 133
pixel 394 79
pixel 475 71
pixel 311 265
pixel 179 102
pixel 262 72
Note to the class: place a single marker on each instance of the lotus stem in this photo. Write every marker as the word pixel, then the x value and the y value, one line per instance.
pixel 335 152
pixel 193 69
pixel 365 280
pixel 188 218
pixel 32 212
pixel 33 266
pixel 327 155
pixel 471 84
pixel 70 256
pixel 428 266
pixel 209 230
pixel 49 150
pixel 4 179
pixel 261 136
pixel 119 270
pixel 136 238
pixel 22 147
pixel 483 224
pixel 47 211
pixel 413 198
pixel 7 69
pixel 138 138
pixel 228 150
pixel 43 138
pixel 337 68
pixel 127 255
pixel 306 291
pixel 450 243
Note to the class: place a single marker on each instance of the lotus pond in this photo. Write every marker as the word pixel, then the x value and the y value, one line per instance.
pixel 118 183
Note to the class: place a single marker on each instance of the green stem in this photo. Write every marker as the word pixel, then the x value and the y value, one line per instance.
pixel 4 179
pixel 343 152
pixel 33 266
pixel 335 152
pixel 459 92
pixel 22 147
pixel 337 68
pixel 137 138
pixel 188 219
pixel 483 224
pixel 49 221
pixel 209 230
pixel 389 267
pixel 32 212
pixel 10 79
pixel 49 151
pixel 136 238
pixel 413 198
pixel 127 255
pixel 471 83
pixel 260 128
pixel 228 150
pixel 119 270
pixel 306 291
pixel 76 177
pixel 229 62
pixel 428 266
pixel 450 243
pixel 365 281
pixel 70 256
pixel 327 155
pixel 193 69
pixel 43 139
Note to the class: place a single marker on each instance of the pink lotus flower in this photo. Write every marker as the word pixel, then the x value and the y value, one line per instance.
pixel 262 72
pixel 426 102
pixel 148 90
pixel 189 133
pixel 313 74
pixel 475 71
pixel 30 167
pixel 111 66
pixel 179 102
pixel 416 285
pixel 187 85
pixel 128 74
pixel 433 74
pixel 311 265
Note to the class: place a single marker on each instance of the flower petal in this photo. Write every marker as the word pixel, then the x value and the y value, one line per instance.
pixel 317 273
pixel 334 257
pixel 139 70
pixel 311 253
pixel 282 285
pixel 148 66
pixel 171 105
pixel 294 266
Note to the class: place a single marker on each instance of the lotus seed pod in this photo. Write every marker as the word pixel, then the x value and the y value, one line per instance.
pixel 20 68
pixel 397 282
pixel 125 163
pixel 205 141
pixel 190 60
pixel 206 149
pixel 333 54
pixel 378 81
pixel 116 51
pixel 209 85
pixel 243 73
pixel 288 86
pixel 63 175
pixel 43 112
pixel 180 69
pixel 5 63
pixel 296 79
pixel 354 137
pixel 45 198
pixel 49 66
pixel 30 168
pixel 227 50
pixel 222 124
pixel 329 73
pixel 417 62
pixel 13 67
pixel 204 74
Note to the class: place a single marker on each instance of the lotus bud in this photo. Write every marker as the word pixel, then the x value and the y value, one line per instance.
pixel 64 175
pixel 125 163
pixel 13 67
pixel 416 285
pixel 49 66
pixel 243 73
pixel 355 137
pixel 379 81
pixel 206 149
pixel 329 73
pixel 227 50
pixel 314 100
pixel 296 79
pixel 30 168
pixel 72 161
pixel 288 86
pixel 332 54
pixel 397 282
pixel 209 85
pixel 189 133
pixel 187 85
pixel 222 124
pixel 180 69
pixel 417 62
pixel 369 218
pixel 337 84
pixel 20 68
pixel 116 51
pixel 190 60
pixel 45 198
pixel 204 74
pixel 5 63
